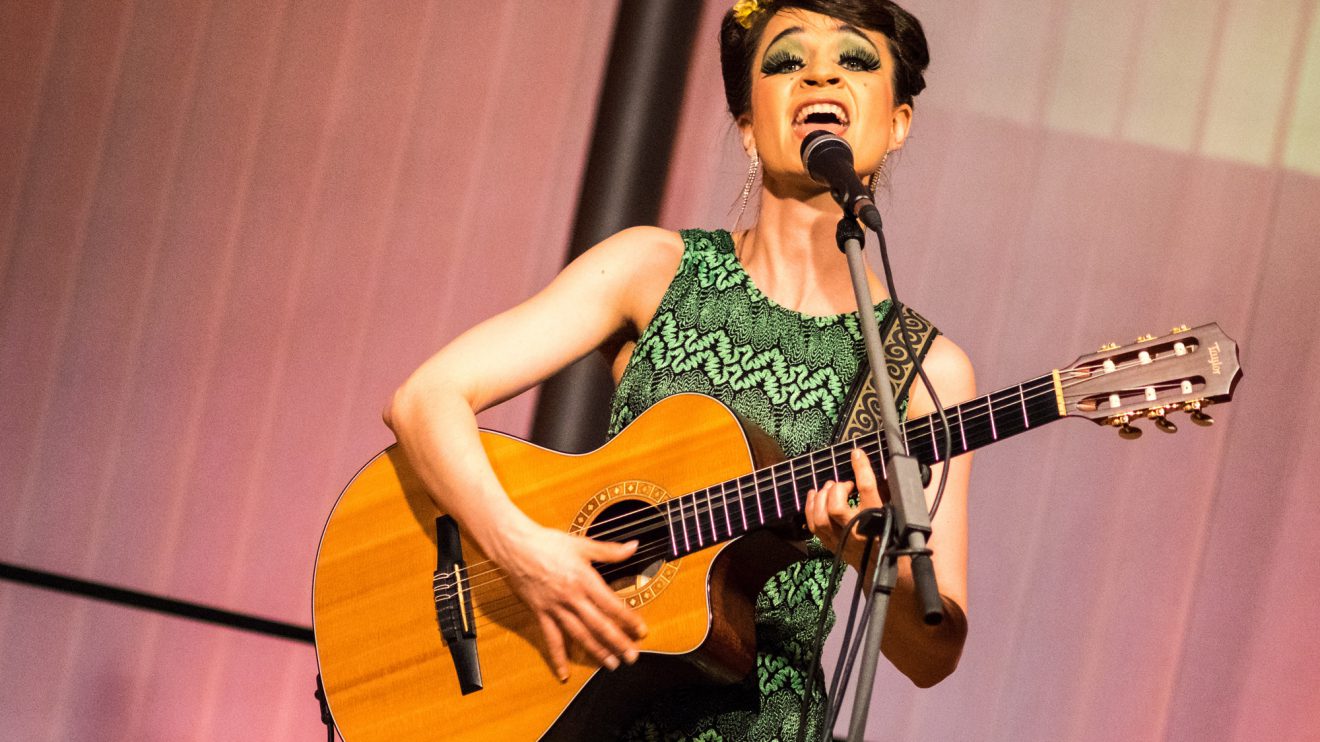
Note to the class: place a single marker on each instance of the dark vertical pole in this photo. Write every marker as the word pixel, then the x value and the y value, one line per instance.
pixel 624 182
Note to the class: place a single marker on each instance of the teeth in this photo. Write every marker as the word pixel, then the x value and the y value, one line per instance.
pixel 833 108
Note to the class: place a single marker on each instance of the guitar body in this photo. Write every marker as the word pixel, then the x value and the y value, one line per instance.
pixel 387 671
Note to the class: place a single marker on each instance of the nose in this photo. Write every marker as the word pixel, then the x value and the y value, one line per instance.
pixel 820 73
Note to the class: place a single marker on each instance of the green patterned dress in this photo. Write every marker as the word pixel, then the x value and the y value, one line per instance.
pixel 715 333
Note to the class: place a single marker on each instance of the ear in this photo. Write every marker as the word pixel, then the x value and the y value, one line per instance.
pixel 899 125
pixel 744 124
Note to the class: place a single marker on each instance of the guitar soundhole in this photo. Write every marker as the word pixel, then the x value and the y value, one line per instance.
pixel 624 520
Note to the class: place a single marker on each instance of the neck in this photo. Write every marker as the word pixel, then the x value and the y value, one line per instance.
pixel 792 255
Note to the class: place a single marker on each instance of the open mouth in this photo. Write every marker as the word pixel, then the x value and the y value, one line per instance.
pixel 829 117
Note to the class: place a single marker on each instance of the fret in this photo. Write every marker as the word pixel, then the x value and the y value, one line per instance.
pixel 682 521
pixel 834 464
pixel 724 497
pixel 1022 397
pixel 883 453
pixel 710 513
pixel 760 512
pixel 742 502
pixel 673 538
pixel 792 478
pixel 990 404
pixel 962 432
pixel 934 447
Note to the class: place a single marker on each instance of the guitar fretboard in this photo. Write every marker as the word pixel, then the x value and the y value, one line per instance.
pixel 776 493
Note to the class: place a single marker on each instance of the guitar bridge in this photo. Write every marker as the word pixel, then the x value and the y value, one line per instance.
pixel 453 604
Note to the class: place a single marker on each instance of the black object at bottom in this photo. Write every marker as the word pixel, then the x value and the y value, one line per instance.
pixel 326 718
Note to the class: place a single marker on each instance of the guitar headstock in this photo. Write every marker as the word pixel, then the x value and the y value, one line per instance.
pixel 1186 370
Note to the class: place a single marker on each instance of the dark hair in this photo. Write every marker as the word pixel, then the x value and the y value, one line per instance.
pixel 907 44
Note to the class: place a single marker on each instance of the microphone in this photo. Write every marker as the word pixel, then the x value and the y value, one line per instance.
pixel 829 161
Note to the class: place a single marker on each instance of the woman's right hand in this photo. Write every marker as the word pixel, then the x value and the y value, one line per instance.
pixel 551 571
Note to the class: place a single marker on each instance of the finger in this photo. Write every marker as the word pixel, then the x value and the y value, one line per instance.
pixel 554 645
pixel 573 626
pixel 615 610
pixel 608 551
pixel 868 493
pixel 818 512
pixel 820 515
pixel 605 627
pixel 839 510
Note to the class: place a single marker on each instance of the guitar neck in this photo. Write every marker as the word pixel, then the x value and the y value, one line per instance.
pixel 776 493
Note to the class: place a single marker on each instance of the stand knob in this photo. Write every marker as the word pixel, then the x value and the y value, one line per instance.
pixel 1202 419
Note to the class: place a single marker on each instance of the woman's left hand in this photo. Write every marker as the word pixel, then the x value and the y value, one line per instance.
pixel 827 510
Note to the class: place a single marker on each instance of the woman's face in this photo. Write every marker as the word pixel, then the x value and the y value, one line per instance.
pixel 816 72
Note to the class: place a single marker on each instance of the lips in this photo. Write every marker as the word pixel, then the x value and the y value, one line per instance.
pixel 820 116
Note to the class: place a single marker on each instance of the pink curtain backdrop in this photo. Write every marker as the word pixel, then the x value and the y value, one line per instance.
pixel 228 230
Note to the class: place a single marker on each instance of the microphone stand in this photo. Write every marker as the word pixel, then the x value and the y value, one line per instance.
pixel 907 502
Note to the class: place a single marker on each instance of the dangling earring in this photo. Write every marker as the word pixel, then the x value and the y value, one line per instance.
pixel 875 176
pixel 753 168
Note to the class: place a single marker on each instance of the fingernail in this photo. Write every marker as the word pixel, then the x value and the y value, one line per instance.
pixel 642 631
pixel 563 676
pixel 611 663
pixel 630 656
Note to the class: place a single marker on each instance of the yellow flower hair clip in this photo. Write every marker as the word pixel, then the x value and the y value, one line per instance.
pixel 744 12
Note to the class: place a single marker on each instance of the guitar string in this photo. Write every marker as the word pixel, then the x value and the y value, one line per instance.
pixel 509 604
pixel 970 418
pixel 623 523
pixel 494 609
pixel 650 522
pixel 661 550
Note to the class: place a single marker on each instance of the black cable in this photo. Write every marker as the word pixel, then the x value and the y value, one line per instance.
pixel 157 603
pixel 818 642
pixel 844 671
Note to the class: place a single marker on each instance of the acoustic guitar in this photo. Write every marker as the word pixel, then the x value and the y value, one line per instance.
pixel 418 635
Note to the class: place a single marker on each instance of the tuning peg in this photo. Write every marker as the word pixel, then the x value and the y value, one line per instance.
pixel 1157 415
pixel 1202 419
pixel 1125 429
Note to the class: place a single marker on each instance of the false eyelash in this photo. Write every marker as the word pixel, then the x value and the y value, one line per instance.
pixel 780 61
pixel 865 61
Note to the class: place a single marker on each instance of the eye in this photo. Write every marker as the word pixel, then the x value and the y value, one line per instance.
pixel 780 61
pixel 859 60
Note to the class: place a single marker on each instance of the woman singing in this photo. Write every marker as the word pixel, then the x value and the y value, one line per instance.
pixel 763 320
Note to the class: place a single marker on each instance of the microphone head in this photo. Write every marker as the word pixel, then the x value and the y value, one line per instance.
pixel 820 146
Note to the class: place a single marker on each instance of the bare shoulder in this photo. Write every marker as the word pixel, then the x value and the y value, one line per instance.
pixel 635 253
pixel 637 265
pixel 950 371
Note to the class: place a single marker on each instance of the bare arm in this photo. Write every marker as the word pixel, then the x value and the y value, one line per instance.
pixel 925 654
pixel 433 416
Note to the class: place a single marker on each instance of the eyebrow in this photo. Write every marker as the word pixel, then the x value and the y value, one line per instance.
pixel 843 28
